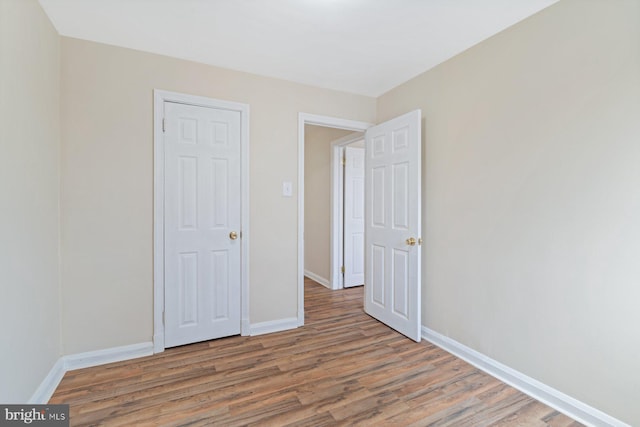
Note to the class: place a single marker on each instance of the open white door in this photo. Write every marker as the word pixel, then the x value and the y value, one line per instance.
pixel 392 231
pixel 353 217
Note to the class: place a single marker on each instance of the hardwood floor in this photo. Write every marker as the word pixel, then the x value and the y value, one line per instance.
pixel 341 368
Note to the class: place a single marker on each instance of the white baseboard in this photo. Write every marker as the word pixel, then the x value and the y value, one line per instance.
pixel 561 402
pixel 274 326
pixel 46 388
pixel 108 355
pixel 84 360
pixel 574 408
pixel 313 276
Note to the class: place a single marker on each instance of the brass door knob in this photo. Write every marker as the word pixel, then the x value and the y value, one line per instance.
pixel 233 235
pixel 411 241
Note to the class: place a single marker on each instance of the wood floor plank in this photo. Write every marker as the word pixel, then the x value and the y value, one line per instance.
pixel 342 368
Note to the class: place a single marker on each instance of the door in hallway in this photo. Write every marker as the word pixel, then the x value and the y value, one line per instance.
pixel 353 217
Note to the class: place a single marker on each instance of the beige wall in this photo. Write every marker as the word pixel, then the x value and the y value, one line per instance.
pixel 317 200
pixel 107 184
pixel 29 191
pixel 532 201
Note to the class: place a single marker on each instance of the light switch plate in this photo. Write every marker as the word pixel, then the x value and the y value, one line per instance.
pixel 287 189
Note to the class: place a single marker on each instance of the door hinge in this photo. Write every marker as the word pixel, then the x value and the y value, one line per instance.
pixel 344 161
pixel 342 270
pixel 163 124
pixel 163 318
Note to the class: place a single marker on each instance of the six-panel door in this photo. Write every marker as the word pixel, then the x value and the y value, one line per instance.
pixel 202 210
pixel 353 217
pixel 392 176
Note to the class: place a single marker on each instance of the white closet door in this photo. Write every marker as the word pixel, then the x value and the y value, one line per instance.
pixel 202 223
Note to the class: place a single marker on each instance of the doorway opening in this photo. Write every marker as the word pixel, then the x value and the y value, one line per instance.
pixel 327 130
pixel 392 173
pixel 334 207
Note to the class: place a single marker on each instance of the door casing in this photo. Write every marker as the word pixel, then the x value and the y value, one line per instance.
pixel 160 97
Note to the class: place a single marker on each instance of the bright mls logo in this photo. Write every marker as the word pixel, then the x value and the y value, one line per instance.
pixel 35 415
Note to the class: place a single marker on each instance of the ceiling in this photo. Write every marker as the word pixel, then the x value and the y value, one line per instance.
pixel 360 46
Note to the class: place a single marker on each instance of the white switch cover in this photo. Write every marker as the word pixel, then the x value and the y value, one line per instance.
pixel 287 189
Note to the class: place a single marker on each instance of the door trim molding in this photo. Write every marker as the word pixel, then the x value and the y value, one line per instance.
pixel 327 121
pixel 159 98
pixel 336 220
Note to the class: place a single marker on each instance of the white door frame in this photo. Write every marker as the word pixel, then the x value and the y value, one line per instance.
pixel 159 98
pixel 332 122
pixel 336 244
